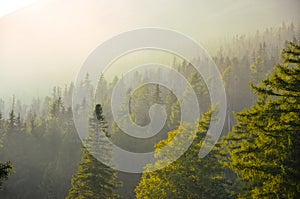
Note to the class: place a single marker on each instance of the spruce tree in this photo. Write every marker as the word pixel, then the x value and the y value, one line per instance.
pixel 189 176
pixel 264 146
pixel 94 179
pixel 5 170
pixel 12 120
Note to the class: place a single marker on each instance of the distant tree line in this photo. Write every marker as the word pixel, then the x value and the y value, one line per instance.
pixel 43 156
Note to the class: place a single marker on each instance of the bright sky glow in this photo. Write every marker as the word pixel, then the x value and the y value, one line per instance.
pixel 9 6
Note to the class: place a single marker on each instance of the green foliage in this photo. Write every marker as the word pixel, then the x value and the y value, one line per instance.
pixel 44 151
pixel 264 145
pixel 5 170
pixel 41 141
pixel 189 176
pixel 94 179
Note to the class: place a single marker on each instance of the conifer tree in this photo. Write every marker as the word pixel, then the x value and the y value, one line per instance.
pixel 94 179
pixel 5 170
pixel 264 145
pixel 12 120
pixel 187 177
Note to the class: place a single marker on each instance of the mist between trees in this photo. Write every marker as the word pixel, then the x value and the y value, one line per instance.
pixel 257 156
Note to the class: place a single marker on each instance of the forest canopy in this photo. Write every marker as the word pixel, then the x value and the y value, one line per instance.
pixel 42 155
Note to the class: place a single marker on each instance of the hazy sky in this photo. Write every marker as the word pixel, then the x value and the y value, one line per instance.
pixel 7 7
pixel 46 42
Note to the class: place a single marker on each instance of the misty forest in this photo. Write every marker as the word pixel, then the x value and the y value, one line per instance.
pixel 257 155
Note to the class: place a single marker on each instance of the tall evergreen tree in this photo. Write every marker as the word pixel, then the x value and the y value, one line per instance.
pixel 94 179
pixel 187 177
pixel 12 120
pixel 264 146
pixel 5 170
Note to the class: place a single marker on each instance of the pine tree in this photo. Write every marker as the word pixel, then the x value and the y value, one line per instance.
pixel 5 170
pixel 94 179
pixel 187 177
pixel 200 89
pixel 12 120
pixel 264 146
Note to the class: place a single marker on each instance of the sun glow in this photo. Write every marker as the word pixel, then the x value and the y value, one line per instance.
pixel 9 6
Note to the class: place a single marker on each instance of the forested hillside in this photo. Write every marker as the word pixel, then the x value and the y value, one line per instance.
pixel 257 156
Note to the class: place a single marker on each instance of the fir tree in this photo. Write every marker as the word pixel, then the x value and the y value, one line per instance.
pixel 187 177
pixel 94 179
pixel 12 120
pixel 5 170
pixel 264 145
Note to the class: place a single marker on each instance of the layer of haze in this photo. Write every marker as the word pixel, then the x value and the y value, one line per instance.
pixel 45 43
